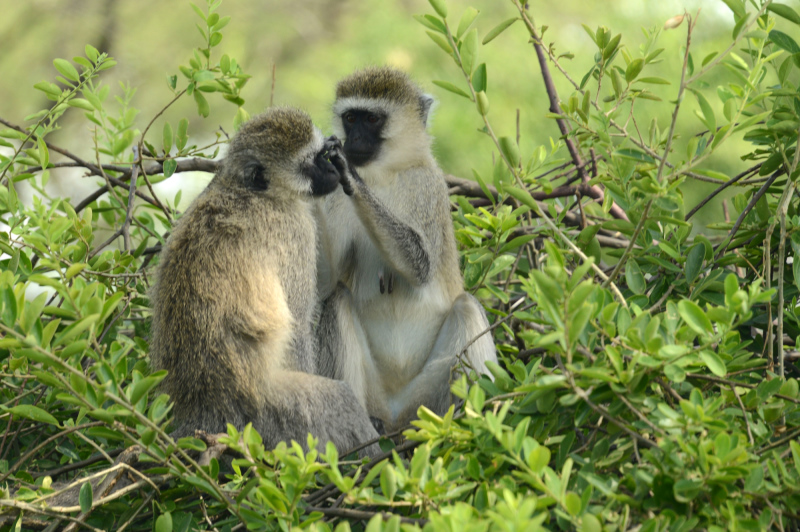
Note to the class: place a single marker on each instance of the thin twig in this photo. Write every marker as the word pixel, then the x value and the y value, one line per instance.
pixel 744 415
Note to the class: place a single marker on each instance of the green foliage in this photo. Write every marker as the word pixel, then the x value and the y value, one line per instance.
pixel 647 375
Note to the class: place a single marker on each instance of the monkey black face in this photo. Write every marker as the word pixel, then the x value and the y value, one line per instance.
pixel 363 131
pixel 322 173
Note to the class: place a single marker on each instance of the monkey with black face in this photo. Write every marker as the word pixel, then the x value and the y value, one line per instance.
pixel 235 295
pixel 395 317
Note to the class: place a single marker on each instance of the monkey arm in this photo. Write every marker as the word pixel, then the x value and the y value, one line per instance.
pixel 405 249
pixel 407 234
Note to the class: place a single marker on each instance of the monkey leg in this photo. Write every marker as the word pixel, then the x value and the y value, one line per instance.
pixel 299 403
pixel 344 353
pixel 465 324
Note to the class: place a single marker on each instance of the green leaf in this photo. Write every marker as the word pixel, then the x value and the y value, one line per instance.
pixel 634 69
pixel 479 78
pixel 685 490
pixel 654 81
pixel 85 498
pixel 241 117
pixel 634 277
pixel 170 165
pixel 32 412
pixel 66 69
pixel 795 455
pixel 164 521
pixel 636 155
pixel 192 443
pixel 446 85
pixel 91 52
pixel 440 41
pixel 202 104
pixel 483 103
pixel 510 150
pixel 611 47
pixel 737 6
pixel 694 317
pixel 440 7
pixel 469 51
pixel 80 103
pixel 708 113
pixel 714 363
pixel 167 137
pixel 694 261
pixel 781 40
pixel 497 30
pixel 145 385
pixel 782 10
pixel 572 502
pixel 466 20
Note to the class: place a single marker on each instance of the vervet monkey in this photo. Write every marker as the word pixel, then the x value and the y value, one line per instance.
pixel 235 295
pixel 395 317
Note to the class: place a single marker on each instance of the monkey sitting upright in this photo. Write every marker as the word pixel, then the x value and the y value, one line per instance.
pixel 395 317
pixel 235 295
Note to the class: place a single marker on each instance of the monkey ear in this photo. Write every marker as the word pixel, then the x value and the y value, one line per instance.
pixel 426 104
pixel 254 177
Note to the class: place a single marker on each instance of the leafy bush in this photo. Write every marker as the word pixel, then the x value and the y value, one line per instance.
pixel 656 393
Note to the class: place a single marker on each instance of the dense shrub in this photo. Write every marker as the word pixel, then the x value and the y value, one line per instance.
pixel 648 366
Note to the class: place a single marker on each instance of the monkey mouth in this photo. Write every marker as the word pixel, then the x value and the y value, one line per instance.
pixel 359 158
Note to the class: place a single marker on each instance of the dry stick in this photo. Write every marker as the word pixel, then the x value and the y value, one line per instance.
pixel 744 415
pixel 757 196
pixel 10 420
pixel 145 502
pixel 196 164
pixel 125 229
pixel 359 514
pixel 126 232
pixel 86 164
pixel 719 189
pixel 594 191
pixel 22 506
pixel 727 382
pixel 45 442
pixel 786 439
pixel 53 473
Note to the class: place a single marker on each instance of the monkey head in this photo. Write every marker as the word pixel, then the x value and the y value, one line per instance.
pixel 280 151
pixel 382 115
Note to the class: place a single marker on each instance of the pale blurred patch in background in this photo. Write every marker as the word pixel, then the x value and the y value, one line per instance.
pixel 315 42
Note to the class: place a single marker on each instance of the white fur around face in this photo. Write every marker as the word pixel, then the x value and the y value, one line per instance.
pixel 293 177
pixel 406 142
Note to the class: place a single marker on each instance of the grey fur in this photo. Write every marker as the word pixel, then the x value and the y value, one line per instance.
pixel 396 347
pixel 235 298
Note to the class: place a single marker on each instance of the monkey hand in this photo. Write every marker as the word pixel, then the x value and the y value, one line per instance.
pixel 332 143
pixel 336 156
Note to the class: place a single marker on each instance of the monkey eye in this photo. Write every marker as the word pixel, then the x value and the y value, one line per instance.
pixel 350 117
pixel 373 119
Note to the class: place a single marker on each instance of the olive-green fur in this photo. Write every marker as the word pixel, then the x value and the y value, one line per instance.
pixel 379 83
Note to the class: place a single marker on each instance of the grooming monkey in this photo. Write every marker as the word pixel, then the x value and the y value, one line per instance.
pixel 395 317
pixel 235 295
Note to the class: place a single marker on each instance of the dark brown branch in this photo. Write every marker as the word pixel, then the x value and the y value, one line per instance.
pixel 719 189
pixel 552 95
pixel 53 473
pixel 757 196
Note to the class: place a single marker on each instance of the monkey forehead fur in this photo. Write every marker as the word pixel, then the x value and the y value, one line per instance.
pixel 378 85
pixel 275 136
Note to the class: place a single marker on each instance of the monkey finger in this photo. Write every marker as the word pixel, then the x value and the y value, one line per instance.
pixel 347 186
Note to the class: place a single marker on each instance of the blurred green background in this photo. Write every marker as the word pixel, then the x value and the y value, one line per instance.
pixel 315 42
